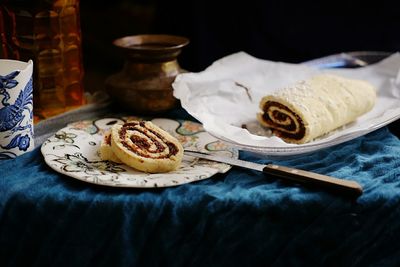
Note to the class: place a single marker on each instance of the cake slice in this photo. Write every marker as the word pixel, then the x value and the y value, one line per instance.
pixel 146 147
pixel 106 152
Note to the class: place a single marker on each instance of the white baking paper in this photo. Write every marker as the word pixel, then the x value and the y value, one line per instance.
pixel 226 96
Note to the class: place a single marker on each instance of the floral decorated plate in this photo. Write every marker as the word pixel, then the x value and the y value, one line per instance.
pixel 74 151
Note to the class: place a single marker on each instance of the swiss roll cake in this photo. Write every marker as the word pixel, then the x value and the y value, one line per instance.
pixel 106 152
pixel 311 108
pixel 146 147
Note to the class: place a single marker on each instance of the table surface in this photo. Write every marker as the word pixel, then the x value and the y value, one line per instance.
pixel 240 218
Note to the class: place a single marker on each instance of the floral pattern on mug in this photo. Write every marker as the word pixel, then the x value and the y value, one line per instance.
pixel 16 105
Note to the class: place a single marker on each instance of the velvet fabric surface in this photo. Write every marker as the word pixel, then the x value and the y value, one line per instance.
pixel 240 218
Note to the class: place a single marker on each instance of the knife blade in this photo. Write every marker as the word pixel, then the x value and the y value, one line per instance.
pixel 344 186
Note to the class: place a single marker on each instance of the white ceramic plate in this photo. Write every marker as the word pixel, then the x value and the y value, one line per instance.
pixel 73 151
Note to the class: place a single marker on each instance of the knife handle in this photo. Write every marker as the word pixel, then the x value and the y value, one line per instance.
pixel 311 178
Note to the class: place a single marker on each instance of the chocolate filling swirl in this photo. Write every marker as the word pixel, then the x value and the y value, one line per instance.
pixel 107 139
pixel 146 142
pixel 283 122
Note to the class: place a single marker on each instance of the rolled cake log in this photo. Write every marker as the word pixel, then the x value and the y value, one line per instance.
pixel 146 147
pixel 106 152
pixel 314 107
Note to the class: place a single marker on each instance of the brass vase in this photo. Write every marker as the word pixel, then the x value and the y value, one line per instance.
pixel 144 85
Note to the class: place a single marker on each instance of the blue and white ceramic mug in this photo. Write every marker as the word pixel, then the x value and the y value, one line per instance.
pixel 16 108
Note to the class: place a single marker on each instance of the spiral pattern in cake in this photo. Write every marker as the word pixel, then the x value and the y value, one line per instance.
pixel 146 147
pixel 311 108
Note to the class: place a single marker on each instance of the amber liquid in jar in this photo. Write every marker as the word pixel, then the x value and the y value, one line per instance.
pixel 48 32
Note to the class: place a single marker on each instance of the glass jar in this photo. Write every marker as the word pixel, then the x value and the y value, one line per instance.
pixel 48 32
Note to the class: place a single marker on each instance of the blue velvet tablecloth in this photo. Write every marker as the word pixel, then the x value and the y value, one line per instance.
pixel 241 218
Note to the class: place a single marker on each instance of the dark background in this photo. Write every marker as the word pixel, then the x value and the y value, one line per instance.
pixel 279 30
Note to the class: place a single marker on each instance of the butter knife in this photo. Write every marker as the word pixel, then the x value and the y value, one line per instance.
pixel 347 187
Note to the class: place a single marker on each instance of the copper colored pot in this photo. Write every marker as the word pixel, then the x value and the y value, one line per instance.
pixel 144 85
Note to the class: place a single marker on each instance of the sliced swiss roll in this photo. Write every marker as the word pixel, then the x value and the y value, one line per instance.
pixel 106 152
pixel 314 107
pixel 146 147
